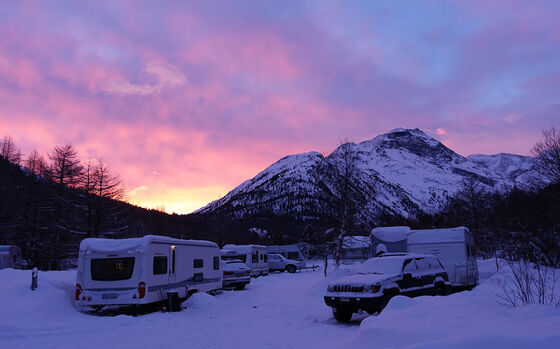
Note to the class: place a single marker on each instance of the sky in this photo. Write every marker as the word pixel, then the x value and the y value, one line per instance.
pixel 185 100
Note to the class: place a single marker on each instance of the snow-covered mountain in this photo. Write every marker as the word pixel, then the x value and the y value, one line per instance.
pixel 403 172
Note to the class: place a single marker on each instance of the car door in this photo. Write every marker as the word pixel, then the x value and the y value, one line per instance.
pixel 274 262
pixel 409 281
pixel 425 275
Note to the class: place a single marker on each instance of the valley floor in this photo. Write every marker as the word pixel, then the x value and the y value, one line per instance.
pixel 277 311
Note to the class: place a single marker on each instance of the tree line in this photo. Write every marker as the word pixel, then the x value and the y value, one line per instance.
pixel 56 202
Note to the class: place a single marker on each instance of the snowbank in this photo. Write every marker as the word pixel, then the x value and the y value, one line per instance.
pixel 280 310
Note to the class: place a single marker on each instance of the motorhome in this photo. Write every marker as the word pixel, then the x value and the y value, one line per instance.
pixel 254 256
pixel 145 270
pixel 10 257
pixel 356 248
pixel 292 252
pixel 455 249
pixel 393 239
pixel 453 246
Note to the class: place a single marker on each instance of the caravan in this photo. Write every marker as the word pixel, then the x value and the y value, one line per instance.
pixel 10 257
pixel 254 256
pixel 453 246
pixel 455 249
pixel 145 270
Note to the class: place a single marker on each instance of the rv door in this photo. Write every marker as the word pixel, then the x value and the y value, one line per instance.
pixel 172 276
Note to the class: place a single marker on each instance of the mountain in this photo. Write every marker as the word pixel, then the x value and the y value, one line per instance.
pixel 401 173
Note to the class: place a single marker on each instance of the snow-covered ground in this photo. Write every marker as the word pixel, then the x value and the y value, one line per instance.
pixel 277 311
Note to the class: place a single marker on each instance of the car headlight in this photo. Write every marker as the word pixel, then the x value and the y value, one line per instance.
pixel 330 288
pixel 375 288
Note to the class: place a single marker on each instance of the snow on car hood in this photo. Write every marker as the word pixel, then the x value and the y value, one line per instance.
pixel 363 279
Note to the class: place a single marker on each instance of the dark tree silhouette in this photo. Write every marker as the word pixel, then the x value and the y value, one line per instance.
pixel 547 155
pixel 9 151
pixel 65 168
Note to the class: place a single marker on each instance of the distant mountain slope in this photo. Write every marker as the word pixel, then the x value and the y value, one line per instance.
pixel 402 172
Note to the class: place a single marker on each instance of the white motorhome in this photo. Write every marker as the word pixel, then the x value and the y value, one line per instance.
pixel 145 270
pixel 292 252
pixel 254 256
pixel 455 249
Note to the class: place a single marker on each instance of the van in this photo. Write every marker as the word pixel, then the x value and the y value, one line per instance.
pixel 254 256
pixel 145 270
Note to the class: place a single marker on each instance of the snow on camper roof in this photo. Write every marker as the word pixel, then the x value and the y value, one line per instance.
pixel 240 248
pixel 391 234
pixel 426 236
pixel 134 244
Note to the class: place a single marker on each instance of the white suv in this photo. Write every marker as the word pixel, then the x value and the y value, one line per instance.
pixel 378 279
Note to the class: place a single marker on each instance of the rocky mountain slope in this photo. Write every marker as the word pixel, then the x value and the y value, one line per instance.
pixel 403 173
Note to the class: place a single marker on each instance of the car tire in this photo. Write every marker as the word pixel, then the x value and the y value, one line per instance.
pixel 240 287
pixel 291 268
pixel 342 314
pixel 440 291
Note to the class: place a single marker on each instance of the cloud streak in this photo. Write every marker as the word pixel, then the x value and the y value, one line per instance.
pixel 206 96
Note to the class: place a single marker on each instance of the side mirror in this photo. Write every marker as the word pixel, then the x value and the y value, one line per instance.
pixel 407 276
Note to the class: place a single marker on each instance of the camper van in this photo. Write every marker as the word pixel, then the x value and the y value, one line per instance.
pixel 10 257
pixel 145 270
pixel 355 248
pixel 455 249
pixel 453 246
pixel 254 256
pixel 292 252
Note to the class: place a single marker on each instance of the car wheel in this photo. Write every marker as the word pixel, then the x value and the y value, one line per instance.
pixel 440 291
pixel 240 287
pixel 291 268
pixel 342 314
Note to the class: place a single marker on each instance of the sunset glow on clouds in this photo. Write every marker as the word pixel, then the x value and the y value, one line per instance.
pixel 186 101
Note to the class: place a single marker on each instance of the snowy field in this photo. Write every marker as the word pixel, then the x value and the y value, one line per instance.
pixel 277 311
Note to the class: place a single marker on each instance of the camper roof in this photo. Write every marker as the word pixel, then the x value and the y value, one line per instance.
pixel 426 236
pixel 135 244
pixel 391 234
pixel 241 248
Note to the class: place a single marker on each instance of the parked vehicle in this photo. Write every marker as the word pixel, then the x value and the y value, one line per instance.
pixel 277 262
pixel 10 257
pixel 356 248
pixel 236 274
pixel 292 252
pixel 393 238
pixel 453 246
pixel 145 270
pixel 455 249
pixel 254 256
pixel 379 279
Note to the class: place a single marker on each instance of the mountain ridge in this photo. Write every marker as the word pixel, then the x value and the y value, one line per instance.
pixel 403 172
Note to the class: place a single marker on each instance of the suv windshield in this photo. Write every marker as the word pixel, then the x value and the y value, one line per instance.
pixel 383 265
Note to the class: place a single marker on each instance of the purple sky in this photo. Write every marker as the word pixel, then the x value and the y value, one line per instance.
pixel 186 101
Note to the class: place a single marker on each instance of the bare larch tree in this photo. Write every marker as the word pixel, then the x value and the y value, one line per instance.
pixel 547 155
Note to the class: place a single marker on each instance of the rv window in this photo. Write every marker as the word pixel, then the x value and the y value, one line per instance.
pixel 265 258
pixel 112 269
pixel 198 263
pixel 255 258
pixel 241 257
pixel 216 263
pixel 293 255
pixel 160 265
